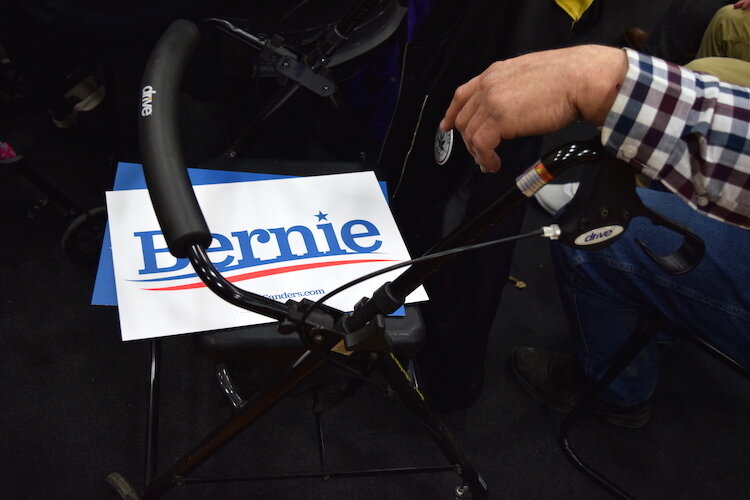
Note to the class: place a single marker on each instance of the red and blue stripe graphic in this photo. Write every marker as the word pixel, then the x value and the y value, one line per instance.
pixel 270 272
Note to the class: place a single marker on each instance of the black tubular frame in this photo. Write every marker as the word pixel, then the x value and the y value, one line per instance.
pixel 646 332
pixel 314 63
pixel 187 235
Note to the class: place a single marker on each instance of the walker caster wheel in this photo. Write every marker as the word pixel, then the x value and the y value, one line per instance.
pixel 461 491
pixel 82 240
pixel 122 487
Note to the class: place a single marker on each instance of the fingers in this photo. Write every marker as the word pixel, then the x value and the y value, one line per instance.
pixel 484 142
pixel 460 97
pixel 481 138
pixel 469 119
pixel 480 132
pixel 466 115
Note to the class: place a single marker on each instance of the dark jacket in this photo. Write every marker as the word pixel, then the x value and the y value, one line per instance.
pixel 457 41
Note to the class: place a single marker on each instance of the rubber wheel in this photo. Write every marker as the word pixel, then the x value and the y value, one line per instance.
pixel 122 487
pixel 462 491
pixel 82 240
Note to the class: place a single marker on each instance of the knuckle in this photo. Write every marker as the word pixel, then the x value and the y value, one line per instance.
pixel 461 121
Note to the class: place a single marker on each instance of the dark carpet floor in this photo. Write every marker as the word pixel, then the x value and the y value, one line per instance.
pixel 74 397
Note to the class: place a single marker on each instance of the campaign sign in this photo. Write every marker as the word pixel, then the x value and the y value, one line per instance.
pixel 294 238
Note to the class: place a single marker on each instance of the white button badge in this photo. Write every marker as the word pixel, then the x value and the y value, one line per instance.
pixel 443 146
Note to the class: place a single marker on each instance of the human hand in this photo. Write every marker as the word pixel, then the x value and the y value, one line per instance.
pixel 534 94
pixel 742 4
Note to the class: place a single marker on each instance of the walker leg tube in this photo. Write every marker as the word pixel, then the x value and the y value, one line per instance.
pixel 400 381
pixel 282 95
pixel 629 350
pixel 152 436
pixel 250 412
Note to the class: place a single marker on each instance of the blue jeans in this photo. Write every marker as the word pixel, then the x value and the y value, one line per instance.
pixel 606 293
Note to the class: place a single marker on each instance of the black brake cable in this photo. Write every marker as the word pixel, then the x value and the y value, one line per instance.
pixel 546 231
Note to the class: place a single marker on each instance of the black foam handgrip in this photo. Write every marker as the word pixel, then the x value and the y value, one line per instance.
pixel 169 186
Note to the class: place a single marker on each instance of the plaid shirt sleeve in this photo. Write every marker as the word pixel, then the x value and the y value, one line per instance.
pixel 688 130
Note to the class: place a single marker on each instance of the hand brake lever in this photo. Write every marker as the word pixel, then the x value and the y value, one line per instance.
pixel 605 203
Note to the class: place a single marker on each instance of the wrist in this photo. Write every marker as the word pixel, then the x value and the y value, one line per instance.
pixel 598 76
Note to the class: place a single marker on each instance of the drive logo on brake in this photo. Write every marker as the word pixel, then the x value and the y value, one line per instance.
pixel 599 235
pixel 147 99
pixel 247 248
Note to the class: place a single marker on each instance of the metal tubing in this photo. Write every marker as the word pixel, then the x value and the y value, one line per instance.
pixel 644 334
pixel 392 471
pixel 321 437
pixel 399 379
pixel 248 414
pixel 553 165
pixel 282 95
pixel 152 436
pixel 227 291
pixel 49 190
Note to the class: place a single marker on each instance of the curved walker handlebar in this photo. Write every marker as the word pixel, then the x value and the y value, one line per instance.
pixel 168 183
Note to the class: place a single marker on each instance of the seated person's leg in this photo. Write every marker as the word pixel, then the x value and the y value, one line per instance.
pixel 727 35
pixel 725 69
pixel 607 292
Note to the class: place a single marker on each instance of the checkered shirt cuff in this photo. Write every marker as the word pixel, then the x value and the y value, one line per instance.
pixel 688 130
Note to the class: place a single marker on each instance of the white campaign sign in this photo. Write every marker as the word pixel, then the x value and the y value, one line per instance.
pixel 285 238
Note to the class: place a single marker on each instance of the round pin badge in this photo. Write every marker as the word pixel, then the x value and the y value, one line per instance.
pixel 443 146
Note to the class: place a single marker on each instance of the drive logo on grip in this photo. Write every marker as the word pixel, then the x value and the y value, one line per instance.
pixel 147 99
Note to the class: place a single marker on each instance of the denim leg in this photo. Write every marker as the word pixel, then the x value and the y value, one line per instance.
pixel 606 293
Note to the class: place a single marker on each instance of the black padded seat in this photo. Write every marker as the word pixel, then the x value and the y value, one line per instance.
pixel 264 344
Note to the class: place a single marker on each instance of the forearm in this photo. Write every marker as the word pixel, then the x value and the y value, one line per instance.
pixel 687 129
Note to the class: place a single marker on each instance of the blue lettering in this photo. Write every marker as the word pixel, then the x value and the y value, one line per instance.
pixel 296 242
pixel 149 254
pixel 282 240
pixel 596 236
pixel 348 236
pixel 224 245
pixel 245 241
pixel 333 242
